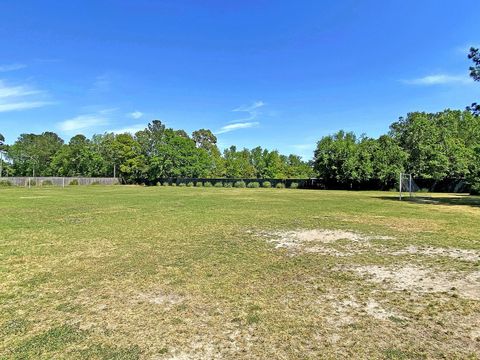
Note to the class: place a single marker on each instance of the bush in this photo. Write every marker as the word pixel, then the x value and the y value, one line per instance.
pixel 294 185
pixel 218 184
pixel 158 183
pixel 280 186
pixel 253 185
pixel 207 184
pixel 5 183
pixel 240 184
pixel 165 183
pixel 475 189
pixel 47 183
pixel 173 184
pixel 96 183
pixel 228 185
pixel 199 184
pixel 266 184
pixel 182 184
pixel 190 184
pixel 32 183
pixel 74 182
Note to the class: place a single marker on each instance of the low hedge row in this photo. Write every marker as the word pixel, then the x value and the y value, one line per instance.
pixel 229 184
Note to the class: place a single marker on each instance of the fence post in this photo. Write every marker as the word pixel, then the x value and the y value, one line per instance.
pixel 410 185
pixel 400 187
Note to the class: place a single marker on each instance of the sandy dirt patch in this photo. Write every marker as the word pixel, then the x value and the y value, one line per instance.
pixel 318 240
pixel 458 254
pixel 347 310
pixel 422 280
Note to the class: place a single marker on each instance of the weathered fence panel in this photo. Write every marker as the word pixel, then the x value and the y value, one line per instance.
pixel 58 181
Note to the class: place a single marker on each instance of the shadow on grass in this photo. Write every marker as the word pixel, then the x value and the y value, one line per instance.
pixel 465 200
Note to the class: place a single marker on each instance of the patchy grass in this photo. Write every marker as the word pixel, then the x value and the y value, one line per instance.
pixel 208 273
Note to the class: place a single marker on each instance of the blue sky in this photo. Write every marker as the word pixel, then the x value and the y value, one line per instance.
pixel 280 74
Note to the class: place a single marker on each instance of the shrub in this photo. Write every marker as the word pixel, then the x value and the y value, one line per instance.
pixel 280 186
pixel 475 189
pixel 4 183
pixel 32 182
pixel 74 182
pixel 218 184
pixel 165 183
pixel 199 184
pixel 240 184
pixel 253 185
pixel 228 185
pixel 182 184
pixel 47 183
pixel 96 183
pixel 190 184
pixel 207 184
pixel 266 184
pixel 173 184
pixel 294 185
pixel 158 183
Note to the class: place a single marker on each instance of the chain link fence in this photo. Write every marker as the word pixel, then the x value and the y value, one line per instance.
pixel 57 181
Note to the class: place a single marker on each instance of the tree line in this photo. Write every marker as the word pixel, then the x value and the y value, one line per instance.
pixel 153 153
pixel 439 147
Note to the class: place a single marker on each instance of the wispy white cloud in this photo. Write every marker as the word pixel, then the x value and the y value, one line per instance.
pixel 101 84
pixel 439 79
pixel 252 107
pixel 247 122
pixel 11 67
pixel 85 121
pixel 129 129
pixel 16 106
pixel 135 115
pixel 20 97
pixel 237 126
pixel 252 110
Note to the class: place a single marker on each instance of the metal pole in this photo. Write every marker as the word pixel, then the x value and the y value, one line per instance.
pixel 63 182
pixel 400 187
pixel 1 163
pixel 410 185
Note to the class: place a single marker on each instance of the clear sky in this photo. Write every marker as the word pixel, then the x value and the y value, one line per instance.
pixel 280 74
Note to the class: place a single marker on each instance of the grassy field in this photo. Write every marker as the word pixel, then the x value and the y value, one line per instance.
pixel 203 273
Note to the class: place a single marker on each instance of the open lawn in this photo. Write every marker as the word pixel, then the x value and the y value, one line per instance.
pixel 202 273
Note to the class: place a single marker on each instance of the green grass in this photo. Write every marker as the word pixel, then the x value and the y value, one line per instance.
pixel 127 272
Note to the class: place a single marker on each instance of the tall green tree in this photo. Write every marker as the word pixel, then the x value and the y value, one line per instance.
pixel 474 55
pixel 32 154
pixel 336 159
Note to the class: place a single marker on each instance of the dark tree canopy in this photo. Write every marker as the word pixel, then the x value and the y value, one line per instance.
pixel 153 153
pixel 474 55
